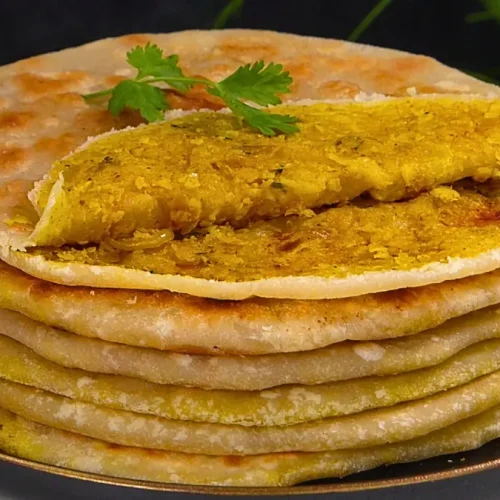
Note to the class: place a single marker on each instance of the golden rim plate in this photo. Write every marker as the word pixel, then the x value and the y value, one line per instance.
pixel 433 469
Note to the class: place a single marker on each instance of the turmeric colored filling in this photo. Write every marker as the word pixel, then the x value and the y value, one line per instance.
pixel 356 238
pixel 209 168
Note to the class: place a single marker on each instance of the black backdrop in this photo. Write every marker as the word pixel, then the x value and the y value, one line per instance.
pixel 434 27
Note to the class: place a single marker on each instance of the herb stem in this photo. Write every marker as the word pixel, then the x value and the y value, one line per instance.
pixel 203 81
pixel 233 8
pixel 478 17
pixel 368 20
pixel 105 92
pixel 101 93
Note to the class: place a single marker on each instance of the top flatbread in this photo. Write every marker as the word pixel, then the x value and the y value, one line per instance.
pixel 43 118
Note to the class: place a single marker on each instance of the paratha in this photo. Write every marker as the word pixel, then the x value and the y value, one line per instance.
pixel 380 426
pixel 284 405
pixel 311 62
pixel 344 251
pixel 343 361
pixel 256 326
pixel 29 440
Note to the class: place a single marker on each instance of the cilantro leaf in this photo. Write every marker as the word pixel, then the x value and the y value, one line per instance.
pixel 149 100
pixel 149 61
pixel 267 123
pixel 144 59
pixel 256 82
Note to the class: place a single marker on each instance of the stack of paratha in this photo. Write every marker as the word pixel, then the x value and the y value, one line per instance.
pixel 192 302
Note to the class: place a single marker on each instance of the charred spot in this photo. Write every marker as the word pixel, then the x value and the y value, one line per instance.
pixel 487 216
pixel 41 288
pixel 233 460
pixel 196 98
pixel 12 157
pixel 36 84
pixel 290 245
pixel 113 446
pixel 197 350
pixel 398 298
pixel 10 120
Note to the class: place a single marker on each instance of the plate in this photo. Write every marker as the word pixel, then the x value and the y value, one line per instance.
pixel 433 469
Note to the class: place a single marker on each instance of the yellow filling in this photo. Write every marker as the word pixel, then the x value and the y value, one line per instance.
pixel 366 236
pixel 207 168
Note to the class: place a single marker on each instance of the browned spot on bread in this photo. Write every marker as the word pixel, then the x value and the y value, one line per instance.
pixel 57 147
pixel 3 103
pixel 407 65
pixel 246 50
pixel 111 81
pixel 133 40
pixel 341 65
pixel 391 76
pixel 299 69
pixel 13 188
pixel 93 121
pixel 70 98
pixel 385 81
pixel 11 158
pixel 233 460
pixel 34 84
pixel 195 99
pixel 335 89
pixel 486 216
pixel 10 120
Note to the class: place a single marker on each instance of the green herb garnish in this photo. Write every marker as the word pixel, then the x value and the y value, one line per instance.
pixel 380 6
pixel 491 12
pixel 256 83
pixel 232 9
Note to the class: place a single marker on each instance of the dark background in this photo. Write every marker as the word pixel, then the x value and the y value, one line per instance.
pixel 433 27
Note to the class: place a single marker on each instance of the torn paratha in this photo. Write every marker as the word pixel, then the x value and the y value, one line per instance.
pixel 134 189
pixel 313 61
pixel 341 252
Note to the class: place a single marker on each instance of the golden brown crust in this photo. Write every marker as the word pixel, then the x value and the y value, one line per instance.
pixel 255 326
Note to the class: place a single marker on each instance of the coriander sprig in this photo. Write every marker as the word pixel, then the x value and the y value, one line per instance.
pixel 491 12
pixel 256 83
